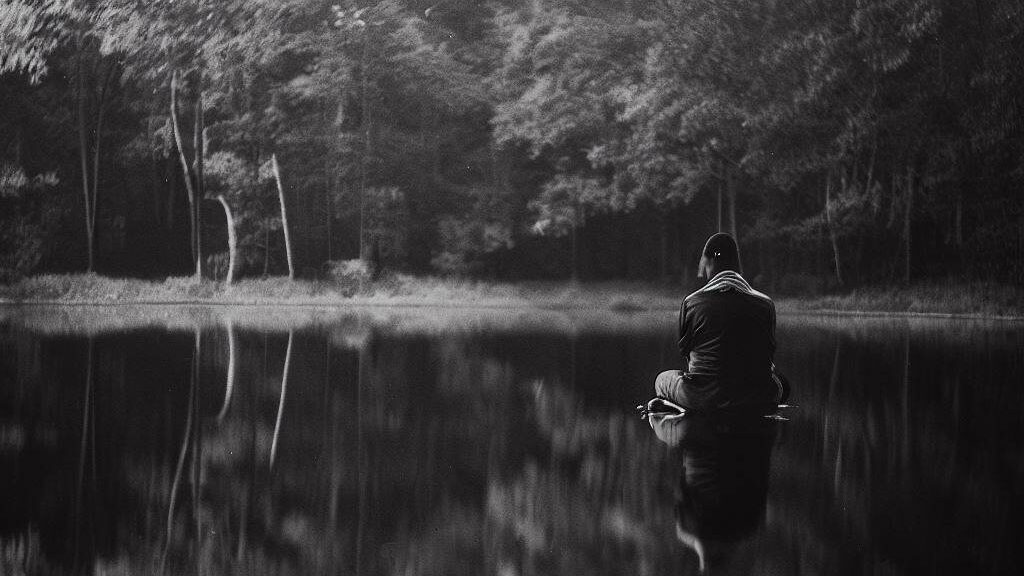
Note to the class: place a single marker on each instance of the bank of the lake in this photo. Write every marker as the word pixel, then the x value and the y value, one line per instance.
pixel 946 298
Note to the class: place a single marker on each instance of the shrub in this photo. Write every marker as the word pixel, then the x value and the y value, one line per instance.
pixel 348 275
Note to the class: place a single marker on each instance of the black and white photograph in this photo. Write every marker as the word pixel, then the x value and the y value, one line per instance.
pixel 511 287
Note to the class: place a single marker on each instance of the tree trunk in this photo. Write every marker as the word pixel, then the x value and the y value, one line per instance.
pixel 100 113
pixel 229 220
pixel 154 180
pixel 365 160
pixel 172 191
pixel 868 185
pixel 907 218
pixel 958 226
pixel 731 191
pixel 266 250
pixel 575 274
pixel 893 200
pixel 832 229
pixel 284 216
pixel 664 232
pixel 83 153
pixel 185 169
pixel 331 185
pixel 199 152
pixel 718 211
pixel 575 234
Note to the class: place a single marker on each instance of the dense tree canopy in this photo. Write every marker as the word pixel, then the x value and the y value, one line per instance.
pixel 843 142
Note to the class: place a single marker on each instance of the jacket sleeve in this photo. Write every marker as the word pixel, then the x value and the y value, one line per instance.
pixel 685 341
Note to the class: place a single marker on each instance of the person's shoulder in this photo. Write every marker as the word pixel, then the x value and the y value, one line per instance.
pixel 761 296
pixel 697 295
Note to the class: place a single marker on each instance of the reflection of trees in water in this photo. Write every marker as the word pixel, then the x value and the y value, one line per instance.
pixel 425 455
pixel 590 501
pixel 906 426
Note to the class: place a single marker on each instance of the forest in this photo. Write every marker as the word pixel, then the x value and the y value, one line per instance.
pixel 844 142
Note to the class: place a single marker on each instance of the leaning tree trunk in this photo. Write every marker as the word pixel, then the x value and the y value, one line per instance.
pixel 832 230
pixel 284 216
pixel 185 168
pixel 229 220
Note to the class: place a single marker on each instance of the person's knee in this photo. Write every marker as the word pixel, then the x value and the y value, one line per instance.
pixel 667 383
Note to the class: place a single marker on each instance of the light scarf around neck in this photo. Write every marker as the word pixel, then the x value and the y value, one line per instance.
pixel 728 280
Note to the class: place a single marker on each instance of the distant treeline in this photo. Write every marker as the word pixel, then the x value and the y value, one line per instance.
pixel 844 142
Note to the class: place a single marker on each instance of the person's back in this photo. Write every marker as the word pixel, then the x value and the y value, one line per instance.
pixel 727 338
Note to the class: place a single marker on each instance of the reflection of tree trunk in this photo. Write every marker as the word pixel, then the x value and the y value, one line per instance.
pixel 232 239
pixel 229 383
pixel 905 456
pixel 197 457
pixel 284 216
pixel 333 416
pixel 175 484
pixel 83 448
pixel 833 392
pixel 248 502
pixel 284 390
pixel 364 359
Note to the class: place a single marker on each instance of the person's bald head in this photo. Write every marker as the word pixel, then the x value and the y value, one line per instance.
pixel 720 253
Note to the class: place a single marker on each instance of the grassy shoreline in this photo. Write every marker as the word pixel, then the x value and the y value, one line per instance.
pixel 943 299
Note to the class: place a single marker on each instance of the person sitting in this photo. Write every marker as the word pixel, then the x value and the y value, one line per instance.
pixel 727 341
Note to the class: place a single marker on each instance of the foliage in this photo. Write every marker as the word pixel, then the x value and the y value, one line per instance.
pixel 29 216
pixel 852 142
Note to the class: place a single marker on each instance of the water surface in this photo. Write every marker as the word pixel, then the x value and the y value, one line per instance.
pixel 306 441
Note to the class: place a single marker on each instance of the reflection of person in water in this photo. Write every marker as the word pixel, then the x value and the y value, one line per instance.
pixel 722 492
pixel 726 338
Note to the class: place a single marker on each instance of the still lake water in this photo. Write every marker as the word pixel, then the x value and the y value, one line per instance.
pixel 303 441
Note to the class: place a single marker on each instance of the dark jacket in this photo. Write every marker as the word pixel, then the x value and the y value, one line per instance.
pixel 727 339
